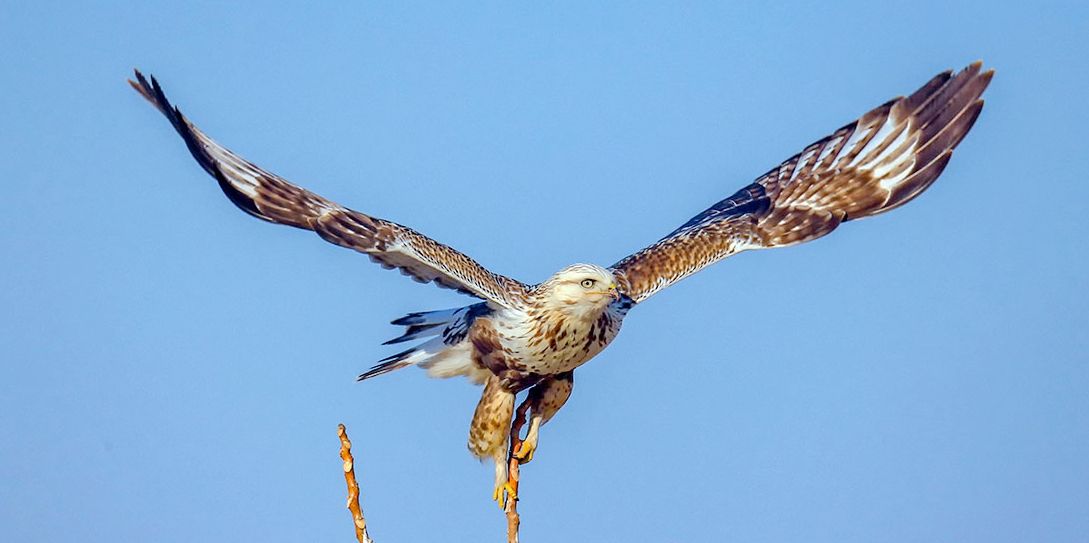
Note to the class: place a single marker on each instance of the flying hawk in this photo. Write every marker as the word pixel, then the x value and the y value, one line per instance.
pixel 523 336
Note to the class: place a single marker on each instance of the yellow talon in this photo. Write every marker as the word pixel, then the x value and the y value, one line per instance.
pixel 502 492
pixel 524 452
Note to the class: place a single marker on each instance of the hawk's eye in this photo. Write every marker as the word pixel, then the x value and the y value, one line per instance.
pixel 587 283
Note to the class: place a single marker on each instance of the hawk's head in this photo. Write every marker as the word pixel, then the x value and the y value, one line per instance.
pixel 580 289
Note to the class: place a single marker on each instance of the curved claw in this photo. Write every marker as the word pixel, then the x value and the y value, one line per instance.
pixel 504 492
pixel 524 452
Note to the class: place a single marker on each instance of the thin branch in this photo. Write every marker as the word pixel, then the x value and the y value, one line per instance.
pixel 353 486
pixel 513 464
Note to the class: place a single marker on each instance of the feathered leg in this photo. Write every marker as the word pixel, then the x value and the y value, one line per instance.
pixel 488 433
pixel 546 398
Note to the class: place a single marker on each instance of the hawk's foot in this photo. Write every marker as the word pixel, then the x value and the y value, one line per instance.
pixel 504 492
pixel 524 451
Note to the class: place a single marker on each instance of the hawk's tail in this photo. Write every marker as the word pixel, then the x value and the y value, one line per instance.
pixel 446 328
pixel 410 357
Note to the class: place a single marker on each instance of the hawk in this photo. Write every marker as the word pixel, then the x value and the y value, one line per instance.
pixel 522 336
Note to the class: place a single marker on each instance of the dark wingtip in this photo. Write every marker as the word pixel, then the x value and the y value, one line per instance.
pixel 987 77
pixel 141 86
pixel 139 80
pixel 153 92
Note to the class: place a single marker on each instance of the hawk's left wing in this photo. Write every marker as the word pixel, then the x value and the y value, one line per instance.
pixel 883 160
pixel 270 197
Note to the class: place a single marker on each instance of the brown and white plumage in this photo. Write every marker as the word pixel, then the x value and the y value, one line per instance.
pixel 533 336
pixel 271 198
pixel 883 160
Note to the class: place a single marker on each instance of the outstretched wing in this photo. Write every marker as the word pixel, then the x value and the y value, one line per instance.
pixel 271 198
pixel 877 163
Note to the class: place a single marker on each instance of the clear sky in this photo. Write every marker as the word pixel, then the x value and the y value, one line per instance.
pixel 174 370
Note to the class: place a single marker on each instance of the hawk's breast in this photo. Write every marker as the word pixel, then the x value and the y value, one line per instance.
pixel 555 343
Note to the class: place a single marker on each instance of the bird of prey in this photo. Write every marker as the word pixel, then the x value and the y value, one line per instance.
pixel 521 336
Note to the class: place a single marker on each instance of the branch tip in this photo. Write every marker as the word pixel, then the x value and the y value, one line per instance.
pixel 353 487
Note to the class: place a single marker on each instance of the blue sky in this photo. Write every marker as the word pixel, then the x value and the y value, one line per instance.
pixel 175 370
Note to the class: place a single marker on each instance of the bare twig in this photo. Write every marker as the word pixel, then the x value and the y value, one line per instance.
pixel 513 465
pixel 511 509
pixel 353 486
